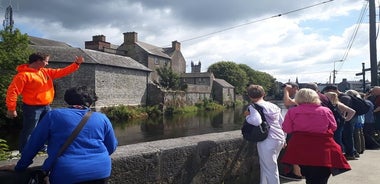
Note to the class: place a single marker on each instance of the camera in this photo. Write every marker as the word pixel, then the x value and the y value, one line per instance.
pixel 283 85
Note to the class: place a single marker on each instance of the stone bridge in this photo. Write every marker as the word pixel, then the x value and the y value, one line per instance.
pixel 210 158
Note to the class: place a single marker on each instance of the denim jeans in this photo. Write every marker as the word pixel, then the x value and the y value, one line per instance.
pixel 338 135
pixel 32 114
pixel 348 137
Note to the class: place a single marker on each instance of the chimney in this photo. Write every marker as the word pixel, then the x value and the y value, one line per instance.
pixel 98 43
pixel 176 45
pixel 99 38
pixel 130 37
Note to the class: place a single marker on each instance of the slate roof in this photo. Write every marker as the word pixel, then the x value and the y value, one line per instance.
pixel 62 52
pixel 67 54
pixel 45 42
pixel 154 50
pixel 115 60
pixel 223 83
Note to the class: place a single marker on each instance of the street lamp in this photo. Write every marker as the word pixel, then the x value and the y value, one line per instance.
pixel 334 71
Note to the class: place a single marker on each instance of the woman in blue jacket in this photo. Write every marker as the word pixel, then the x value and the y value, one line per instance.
pixel 87 159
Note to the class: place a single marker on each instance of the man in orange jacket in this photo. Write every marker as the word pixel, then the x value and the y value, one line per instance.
pixel 34 83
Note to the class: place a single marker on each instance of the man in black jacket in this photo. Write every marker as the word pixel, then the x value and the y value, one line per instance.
pixel 348 127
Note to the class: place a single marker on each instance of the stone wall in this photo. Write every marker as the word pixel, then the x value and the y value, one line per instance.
pixel 113 85
pixel 85 75
pixel 120 86
pixel 159 96
pixel 210 158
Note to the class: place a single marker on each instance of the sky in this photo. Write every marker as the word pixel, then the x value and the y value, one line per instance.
pixel 292 39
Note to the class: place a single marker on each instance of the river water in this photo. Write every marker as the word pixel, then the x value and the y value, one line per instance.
pixel 182 125
pixel 179 126
pixel 160 128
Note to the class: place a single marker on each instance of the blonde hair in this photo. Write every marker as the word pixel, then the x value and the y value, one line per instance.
pixel 306 95
pixel 333 97
pixel 353 93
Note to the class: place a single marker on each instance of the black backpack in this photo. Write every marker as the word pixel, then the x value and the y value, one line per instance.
pixel 359 105
pixel 254 133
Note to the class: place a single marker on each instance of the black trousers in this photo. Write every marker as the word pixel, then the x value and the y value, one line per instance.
pixel 315 174
pixel 99 181
pixel 370 136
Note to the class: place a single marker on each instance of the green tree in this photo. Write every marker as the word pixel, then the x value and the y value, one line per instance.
pixel 261 78
pixel 232 73
pixel 168 78
pixel 14 50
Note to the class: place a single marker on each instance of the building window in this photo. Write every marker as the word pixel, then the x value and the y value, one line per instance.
pixel 156 61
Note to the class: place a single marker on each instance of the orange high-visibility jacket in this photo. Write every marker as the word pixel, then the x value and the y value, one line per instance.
pixel 35 86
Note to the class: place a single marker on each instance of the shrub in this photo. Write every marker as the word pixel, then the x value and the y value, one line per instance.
pixel 4 150
pixel 123 113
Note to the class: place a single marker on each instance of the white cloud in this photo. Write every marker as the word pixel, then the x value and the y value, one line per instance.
pixel 302 43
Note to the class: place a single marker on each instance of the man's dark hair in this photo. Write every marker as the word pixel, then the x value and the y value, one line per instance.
pixel 38 56
pixel 311 85
pixel 293 84
pixel 80 96
pixel 329 88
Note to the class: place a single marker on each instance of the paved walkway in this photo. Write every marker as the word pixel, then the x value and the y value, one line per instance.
pixel 365 170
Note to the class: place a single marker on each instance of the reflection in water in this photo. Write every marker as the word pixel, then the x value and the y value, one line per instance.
pixel 179 126
pixel 168 127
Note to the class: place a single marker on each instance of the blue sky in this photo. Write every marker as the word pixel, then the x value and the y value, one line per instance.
pixel 303 44
pixel 335 26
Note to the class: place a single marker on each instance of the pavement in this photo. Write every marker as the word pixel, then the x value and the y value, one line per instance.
pixel 365 170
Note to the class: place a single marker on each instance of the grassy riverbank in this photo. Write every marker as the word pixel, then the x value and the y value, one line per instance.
pixel 123 113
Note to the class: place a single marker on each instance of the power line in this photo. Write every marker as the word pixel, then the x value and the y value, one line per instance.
pixel 354 34
pixel 255 21
pixel 352 39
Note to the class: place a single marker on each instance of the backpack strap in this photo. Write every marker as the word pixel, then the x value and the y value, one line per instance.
pixel 71 138
pixel 260 110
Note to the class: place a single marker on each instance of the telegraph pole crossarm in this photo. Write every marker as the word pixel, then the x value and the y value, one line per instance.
pixel 363 73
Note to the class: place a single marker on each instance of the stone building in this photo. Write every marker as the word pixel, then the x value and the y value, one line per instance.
pixel 355 85
pixel 116 79
pixel 223 92
pixel 126 74
pixel 151 56
pixel 199 85
pixel 205 86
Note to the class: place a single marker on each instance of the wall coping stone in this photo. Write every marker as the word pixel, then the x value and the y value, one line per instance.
pixel 208 158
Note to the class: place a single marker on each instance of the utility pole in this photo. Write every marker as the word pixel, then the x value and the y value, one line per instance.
pixel 335 72
pixel 8 21
pixel 372 42
pixel 363 73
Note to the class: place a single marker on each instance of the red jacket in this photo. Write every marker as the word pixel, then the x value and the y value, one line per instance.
pixel 315 149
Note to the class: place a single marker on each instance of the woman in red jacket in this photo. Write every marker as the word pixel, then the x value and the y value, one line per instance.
pixel 312 144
